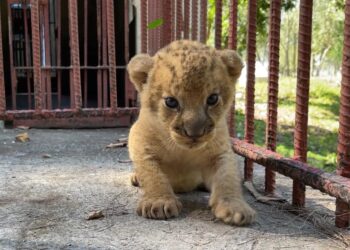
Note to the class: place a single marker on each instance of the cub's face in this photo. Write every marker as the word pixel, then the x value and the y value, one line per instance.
pixel 187 87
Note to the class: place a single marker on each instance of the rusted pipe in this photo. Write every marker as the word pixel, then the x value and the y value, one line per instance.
pixel 218 23
pixel 302 99
pixel 2 79
pixel 203 20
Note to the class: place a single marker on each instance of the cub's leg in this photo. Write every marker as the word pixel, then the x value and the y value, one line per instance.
pixel 159 200
pixel 226 199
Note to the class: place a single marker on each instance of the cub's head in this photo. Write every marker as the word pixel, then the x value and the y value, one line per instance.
pixel 187 88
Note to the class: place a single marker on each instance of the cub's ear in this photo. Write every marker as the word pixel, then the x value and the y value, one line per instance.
pixel 232 61
pixel 138 69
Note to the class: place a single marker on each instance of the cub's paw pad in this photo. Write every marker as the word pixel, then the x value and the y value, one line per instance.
pixel 159 208
pixel 234 212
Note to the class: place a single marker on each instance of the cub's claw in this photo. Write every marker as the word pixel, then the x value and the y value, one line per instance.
pixel 233 211
pixel 159 208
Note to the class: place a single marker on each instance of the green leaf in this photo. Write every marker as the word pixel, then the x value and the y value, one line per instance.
pixel 155 23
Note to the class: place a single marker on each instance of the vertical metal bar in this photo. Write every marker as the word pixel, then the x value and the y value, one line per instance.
pixel 232 34
pixel 144 37
pixel 218 23
pixel 203 20
pixel 271 128
pixel 12 68
pixel 58 53
pixel 111 55
pixel 302 99
pixel 343 157
pixel 47 55
pixel 36 54
pixel 232 44
pixel 166 29
pixel 187 7
pixel 249 100
pixel 173 21
pixel 86 39
pixel 128 85
pixel 99 50
pixel 74 45
pixel 104 53
pixel 27 55
pixel 2 80
pixel 194 35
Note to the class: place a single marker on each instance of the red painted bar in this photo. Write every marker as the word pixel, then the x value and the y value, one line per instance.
pixel 203 20
pixel 99 50
pixel 144 37
pixel 271 128
pixel 194 35
pixel 86 40
pixel 27 56
pixel 302 99
pixel 187 7
pixel 111 56
pixel 343 157
pixel 218 23
pixel 232 44
pixel 249 99
pixel 47 73
pixel 129 89
pixel 179 20
pixel 58 55
pixel 104 53
pixel 2 80
pixel 36 55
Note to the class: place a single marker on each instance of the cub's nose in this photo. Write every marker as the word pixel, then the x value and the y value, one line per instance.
pixel 194 133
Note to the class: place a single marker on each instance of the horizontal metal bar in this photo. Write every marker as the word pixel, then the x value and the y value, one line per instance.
pixel 69 67
pixel 331 184
pixel 67 113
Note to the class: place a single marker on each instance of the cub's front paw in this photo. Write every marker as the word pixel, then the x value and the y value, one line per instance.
pixel 233 211
pixel 159 208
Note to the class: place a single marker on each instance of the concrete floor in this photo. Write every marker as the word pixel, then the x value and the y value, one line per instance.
pixel 44 203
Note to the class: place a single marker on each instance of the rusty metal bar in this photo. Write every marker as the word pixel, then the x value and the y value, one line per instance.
pixel 99 51
pixel 166 29
pixel 58 52
pixel 194 35
pixel 86 40
pixel 104 54
pixel 36 54
pixel 203 20
pixel 2 79
pixel 232 33
pixel 331 184
pixel 74 44
pixel 218 23
pixel 179 20
pixel 249 100
pixel 144 35
pixel 232 44
pixel 128 86
pixel 111 56
pixel 27 55
pixel 47 73
pixel 343 157
pixel 271 128
pixel 302 99
pixel 173 21
pixel 13 71
pixel 186 28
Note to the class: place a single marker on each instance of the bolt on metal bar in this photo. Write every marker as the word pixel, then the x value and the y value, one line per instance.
pixel 144 35
pixel 203 20
pixel 271 128
pixel 302 96
pixel 343 156
pixel 36 54
pixel 2 80
pixel 232 44
pixel 249 101
pixel 218 23
pixel 111 55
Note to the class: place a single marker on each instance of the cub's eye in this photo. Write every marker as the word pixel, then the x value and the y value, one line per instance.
pixel 171 102
pixel 212 99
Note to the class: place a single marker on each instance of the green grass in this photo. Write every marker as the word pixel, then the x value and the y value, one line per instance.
pixel 323 119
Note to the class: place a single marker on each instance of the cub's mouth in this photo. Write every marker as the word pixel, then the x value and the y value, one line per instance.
pixel 188 142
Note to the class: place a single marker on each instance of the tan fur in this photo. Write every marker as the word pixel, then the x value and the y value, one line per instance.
pixel 167 158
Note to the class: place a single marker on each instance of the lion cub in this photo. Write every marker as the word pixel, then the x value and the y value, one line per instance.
pixel 181 140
